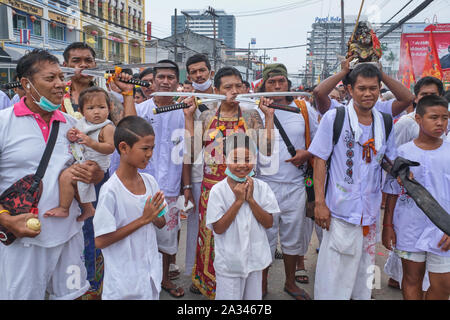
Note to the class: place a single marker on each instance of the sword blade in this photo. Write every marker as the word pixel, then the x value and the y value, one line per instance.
pixel 189 94
pixel 421 196
pixel 274 94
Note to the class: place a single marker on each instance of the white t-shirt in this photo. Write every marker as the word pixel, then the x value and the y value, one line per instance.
pixel 294 126
pixel 243 247
pixel 406 129
pixel 166 163
pixel 5 102
pixel 133 263
pixel 414 230
pixel 354 186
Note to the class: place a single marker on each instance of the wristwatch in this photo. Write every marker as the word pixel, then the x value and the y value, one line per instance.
pixel 188 186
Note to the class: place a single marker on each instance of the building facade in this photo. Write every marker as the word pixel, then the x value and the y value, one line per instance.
pixel 114 28
pixel 324 47
pixel 203 23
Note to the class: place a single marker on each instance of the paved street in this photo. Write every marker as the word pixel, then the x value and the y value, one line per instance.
pixel 276 275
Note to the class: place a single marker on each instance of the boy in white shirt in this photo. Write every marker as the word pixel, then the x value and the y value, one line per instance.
pixel 239 210
pixel 129 208
pixel 407 230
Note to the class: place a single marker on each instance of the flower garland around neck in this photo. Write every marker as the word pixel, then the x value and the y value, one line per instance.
pixel 222 128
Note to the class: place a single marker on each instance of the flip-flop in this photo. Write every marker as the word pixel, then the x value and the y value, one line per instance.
pixel 303 295
pixel 301 276
pixel 173 291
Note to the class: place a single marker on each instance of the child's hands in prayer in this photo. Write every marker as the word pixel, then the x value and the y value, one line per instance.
pixel 153 208
pixel 240 191
pixel 250 188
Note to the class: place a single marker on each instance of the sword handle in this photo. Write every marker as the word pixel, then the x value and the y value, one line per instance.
pixel 281 107
pixel 138 82
pixel 172 107
pixel 11 85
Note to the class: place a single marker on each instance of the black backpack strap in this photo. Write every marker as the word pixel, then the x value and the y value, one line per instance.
pixel 46 156
pixel 388 123
pixel 285 137
pixel 337 129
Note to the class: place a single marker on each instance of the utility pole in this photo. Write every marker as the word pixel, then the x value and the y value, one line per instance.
pixel 212 12
pixel 176 38
pixel 342 30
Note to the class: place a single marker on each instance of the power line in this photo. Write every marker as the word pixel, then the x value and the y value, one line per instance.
pixel 411 15
pixel 393 16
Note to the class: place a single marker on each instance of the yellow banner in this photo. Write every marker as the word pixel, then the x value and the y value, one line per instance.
pixel 24 7
pixel 62 19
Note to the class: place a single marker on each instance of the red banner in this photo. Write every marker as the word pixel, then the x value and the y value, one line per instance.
pixel 420 45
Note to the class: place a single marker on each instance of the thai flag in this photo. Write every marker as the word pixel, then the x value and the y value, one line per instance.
pixel 25 35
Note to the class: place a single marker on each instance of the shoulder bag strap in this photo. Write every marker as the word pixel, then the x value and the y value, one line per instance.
pixel 46 156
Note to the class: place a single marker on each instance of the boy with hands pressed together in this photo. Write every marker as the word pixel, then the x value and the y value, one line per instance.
pixel 239 211
pixel 130 206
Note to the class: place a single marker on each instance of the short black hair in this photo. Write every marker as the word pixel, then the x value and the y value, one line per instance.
pixel 364 70
pixel 187 82
pixel 130 129
pixel 87 93
pixel 196 58
pixel 145 72
pixel 74 46
pixel 426 81
pixel 246 83
pixel 226 72
pixel 240 140
pixel 167 61
pixel 138 90
pixel 430 101
pixel 26 66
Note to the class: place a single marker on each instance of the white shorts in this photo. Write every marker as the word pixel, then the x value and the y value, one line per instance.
pixel 434 262
pixel 236 288
pixel 167 237
pixel 29 272
pixel 289 222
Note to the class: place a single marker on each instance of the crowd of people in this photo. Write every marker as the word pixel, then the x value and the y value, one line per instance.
pixel 121 177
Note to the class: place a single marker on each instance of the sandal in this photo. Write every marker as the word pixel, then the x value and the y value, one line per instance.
pixel 176 292
pixel 301 276
pixel 194 289
pixel 302 294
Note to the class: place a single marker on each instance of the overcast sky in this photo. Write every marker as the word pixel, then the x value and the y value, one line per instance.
pixel 287 27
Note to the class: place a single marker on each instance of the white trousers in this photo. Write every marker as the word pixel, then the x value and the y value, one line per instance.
pixel 28 272
pixel 289 222
pixel 346 261
pixel 192 230
pixel 235 288
pixel 308 226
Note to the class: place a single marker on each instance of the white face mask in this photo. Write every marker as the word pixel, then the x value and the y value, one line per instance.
pixel 202 86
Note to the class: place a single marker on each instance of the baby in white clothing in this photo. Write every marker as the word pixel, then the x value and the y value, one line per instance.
pixel 91 140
